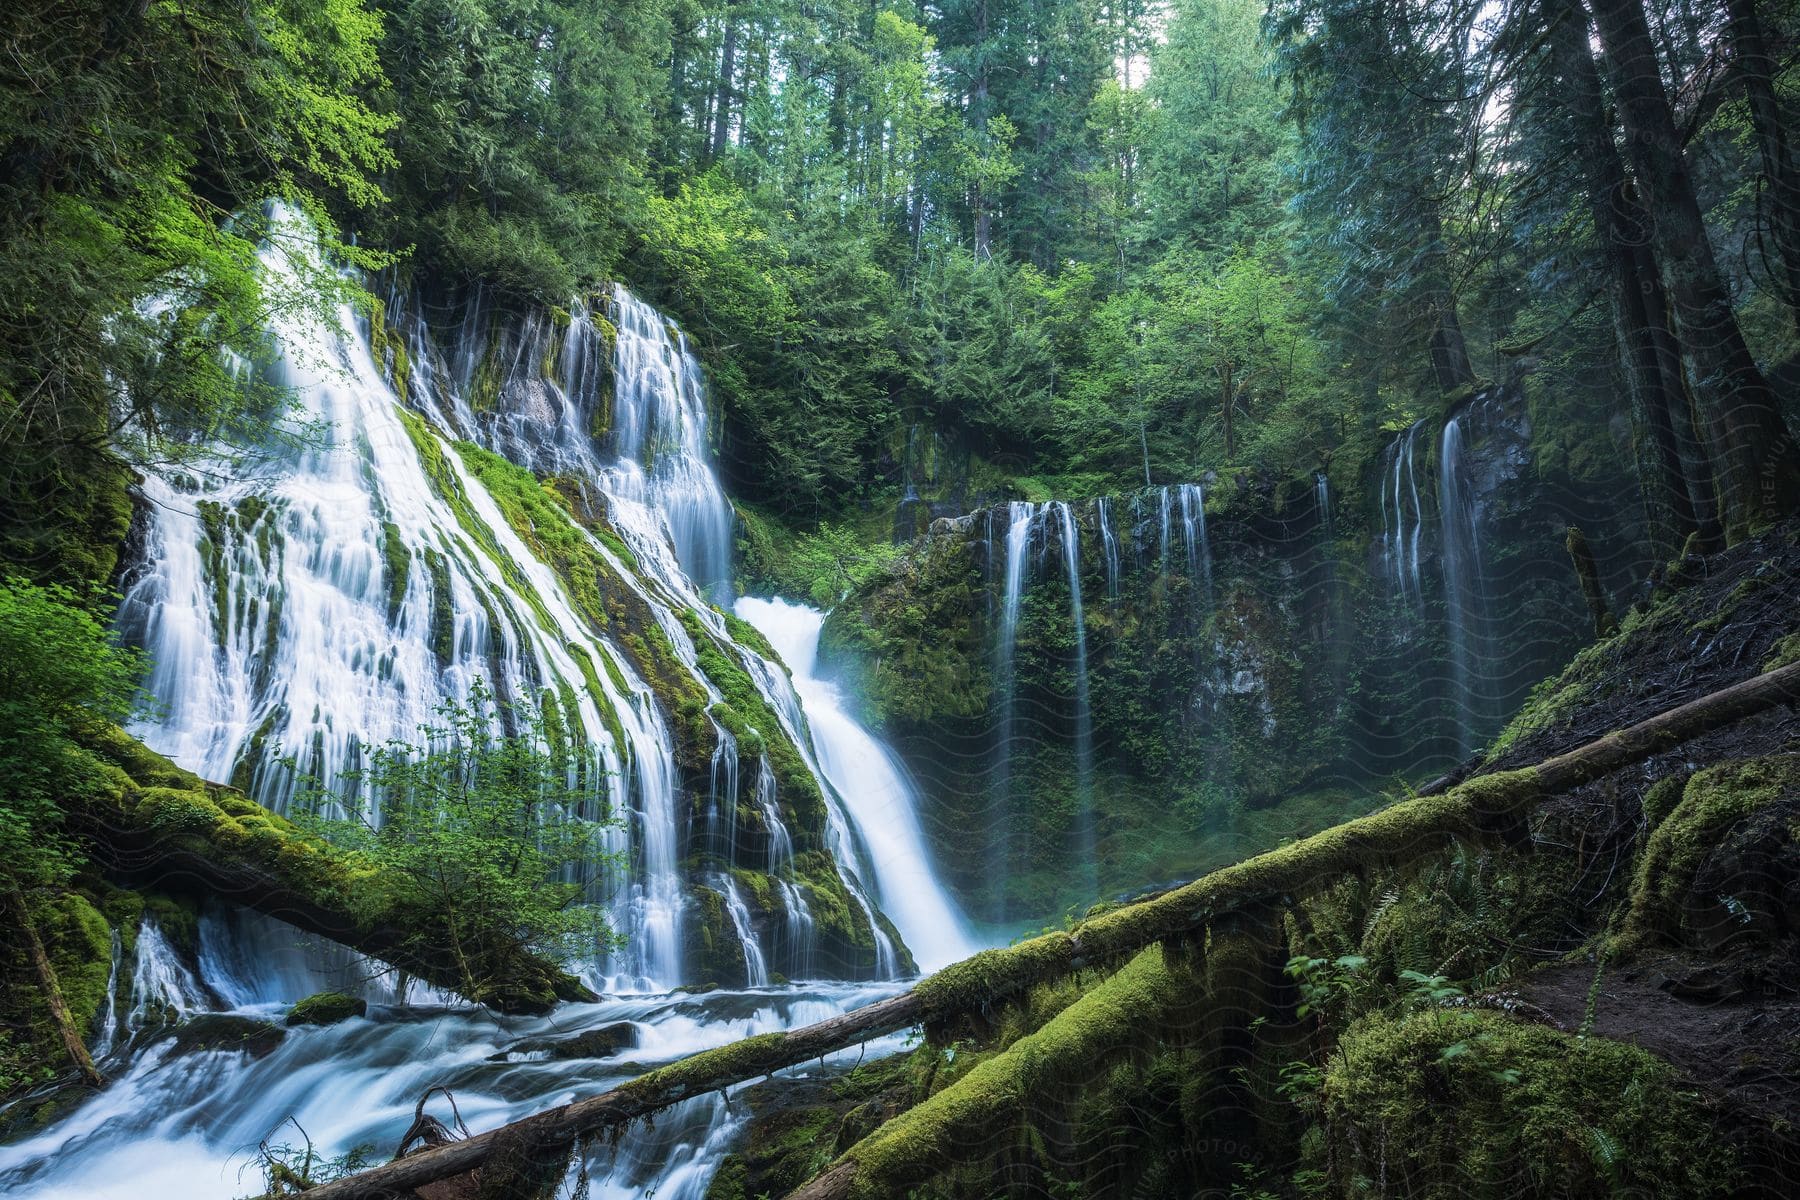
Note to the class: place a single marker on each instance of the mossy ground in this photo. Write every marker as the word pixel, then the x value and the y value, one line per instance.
pixel 1445 1105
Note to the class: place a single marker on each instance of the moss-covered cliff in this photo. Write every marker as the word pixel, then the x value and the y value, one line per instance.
pixel 1258 652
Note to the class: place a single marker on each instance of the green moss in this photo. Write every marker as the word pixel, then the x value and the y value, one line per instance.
pixel 913 643
pixel 79 943
pixel 1712 802
pixel 838 917
pixel 327 1008
pixel 744 706
pixel 1662 796
pixel 710 947
pixel 758 890
pixel 177 916
pixel 745 634
pixel 69 514
pixel 690 1076
pixel 992 1104
pixel 1787 651
pixel 1474 1104
pixel 139 796
pixel 398 560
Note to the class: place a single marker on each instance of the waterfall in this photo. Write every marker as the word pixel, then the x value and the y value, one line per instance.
pixel 330 598
pixel 1464 589
pixel 1164 521
pixel 1402 519
pixel 1028 529
pixel 864 774
pixel 1322 502
pixel 327 595
pixel 1017 546
pixel 756 967
pixel 110 1020
pixel 1109 545
pixel 1084 722
pixel 163 989
pixel 1192 500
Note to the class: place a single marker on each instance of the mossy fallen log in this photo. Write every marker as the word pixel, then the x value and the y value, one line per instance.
pixel 1485 807
pixel 146 821
pixel 975 1119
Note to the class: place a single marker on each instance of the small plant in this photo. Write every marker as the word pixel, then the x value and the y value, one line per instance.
pixel 1328 986
pixel 481 826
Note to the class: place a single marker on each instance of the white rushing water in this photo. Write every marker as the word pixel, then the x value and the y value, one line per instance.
pixel 873 788
pixel 184 1123
pixel 327 597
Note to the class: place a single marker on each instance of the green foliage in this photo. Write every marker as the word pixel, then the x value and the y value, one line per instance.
pixel 141 145
pixel 521 129
pixel 479 824
pixel 61 672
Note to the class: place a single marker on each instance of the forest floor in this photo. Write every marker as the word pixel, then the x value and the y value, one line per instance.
pixel 1719 1024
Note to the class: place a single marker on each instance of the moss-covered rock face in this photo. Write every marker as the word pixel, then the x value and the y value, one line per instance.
pixel 797 1126
pixel 65 520
pixel 327 1008
pixel 1280 653
pixel 710 949
pixel 1448 1104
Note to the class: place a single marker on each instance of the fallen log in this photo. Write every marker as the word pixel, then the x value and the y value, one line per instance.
pixel 1479 808
pixel 148 821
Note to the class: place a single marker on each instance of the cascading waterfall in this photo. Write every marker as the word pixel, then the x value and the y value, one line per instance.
pixel 163 989
pixel 327 598
pixel 1017 546
pixel 1028 527
pixel 872 786
pixel 110 1020
pixel 756 966
pixel 331 599
pixel 1192 501
pixel 674 502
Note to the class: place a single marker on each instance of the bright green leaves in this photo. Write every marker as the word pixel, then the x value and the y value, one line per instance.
pixel 60 671
pixel 479 824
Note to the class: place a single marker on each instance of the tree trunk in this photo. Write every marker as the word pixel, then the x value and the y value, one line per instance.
pixel 721 129
pixel 1757 67
pixel 1225 406
pixel 1404 832
pixel 52 990
pixel 1587 572
pixel 1756 459
pixel 1677 488
pixel 1449 350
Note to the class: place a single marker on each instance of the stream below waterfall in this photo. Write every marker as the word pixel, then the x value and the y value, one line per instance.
pixel 185 1124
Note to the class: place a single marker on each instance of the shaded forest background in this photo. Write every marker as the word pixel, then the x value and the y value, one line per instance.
pixel 1099 245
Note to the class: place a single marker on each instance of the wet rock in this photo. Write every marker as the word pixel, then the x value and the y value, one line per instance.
pixel 327 1008
pixel 603 1042
pixel 223 1031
